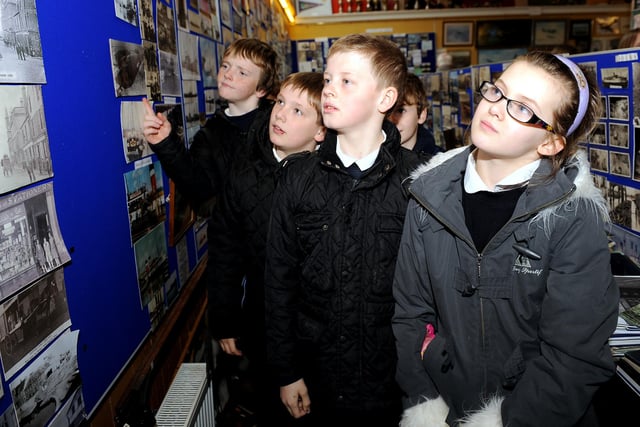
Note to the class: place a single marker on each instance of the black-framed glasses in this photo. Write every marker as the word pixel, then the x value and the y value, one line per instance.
pixel 517 110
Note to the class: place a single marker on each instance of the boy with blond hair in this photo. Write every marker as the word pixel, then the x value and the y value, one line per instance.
pixel 333 238
pixel 246 78
pixel 239 233
pixel 409 117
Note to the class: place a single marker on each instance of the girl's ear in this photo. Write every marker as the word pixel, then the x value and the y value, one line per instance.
pixel 552 145
pixel 388 99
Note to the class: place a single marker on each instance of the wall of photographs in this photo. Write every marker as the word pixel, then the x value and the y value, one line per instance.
pixel 95 244
pixel 614 146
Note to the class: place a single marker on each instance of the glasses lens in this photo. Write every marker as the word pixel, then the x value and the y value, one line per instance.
pixel 519 111
pixel 490 92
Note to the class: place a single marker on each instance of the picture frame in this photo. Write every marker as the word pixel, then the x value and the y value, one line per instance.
pixel 457 33
pixel 502 34
pixel 549 33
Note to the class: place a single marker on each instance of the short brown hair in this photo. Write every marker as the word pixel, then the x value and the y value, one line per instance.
pixel 415 93
pixel 310 82
pixel 388 63
pixel 261 54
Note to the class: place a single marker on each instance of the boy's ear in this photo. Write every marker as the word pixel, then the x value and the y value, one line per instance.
pixel 422 117
pixel 260 93
pixel 319 136
pixel 388 99
pixel 552 145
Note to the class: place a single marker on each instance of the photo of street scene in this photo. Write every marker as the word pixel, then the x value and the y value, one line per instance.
pixel 20 48
pixel 31 320
pixel 48 382
pixel 145 199
pixel 24 144
pixel 30 243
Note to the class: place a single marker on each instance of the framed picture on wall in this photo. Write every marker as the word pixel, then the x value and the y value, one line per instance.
pixel 457 33
pixel 181 216
pixel 503 33
pixel 549 33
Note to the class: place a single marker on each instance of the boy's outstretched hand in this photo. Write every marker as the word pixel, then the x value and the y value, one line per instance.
pixel 156 127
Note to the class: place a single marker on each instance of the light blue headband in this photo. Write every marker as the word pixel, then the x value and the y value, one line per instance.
pixel 583 87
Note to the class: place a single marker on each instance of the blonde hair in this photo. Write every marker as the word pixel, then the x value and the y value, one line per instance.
pixel 388 63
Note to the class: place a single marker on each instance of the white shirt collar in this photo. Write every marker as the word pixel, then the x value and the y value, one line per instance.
pixel 365 162
pixel 473 183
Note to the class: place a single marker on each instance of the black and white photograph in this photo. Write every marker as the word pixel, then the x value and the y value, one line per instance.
pixel 623 202
pixel 48 382
pixel 599 134
pixel 599 159
pixel 615 77
pixel 166 29
pixel 619 108
pixel 189 61
pixel 620 164
pixel 127 64
pixel 21 49
pixel 194 21
pixel 24 142
pixel 127 11
pixel 605 107
pixel 549 33
pixel 182 16
pixel 173 112
pixel 210 100
pixel 72 413
pixel 8 418
pixel 208 59
pixel 151 71
pixel 145 199
pixel 32 319
pixel 225 13
pixel 191 109
pixel 169 74
pixel 31 244
pixel 635 70
pixel 134 145
pixel 182 260
pixel 147 23
pixel 152 264
pixel 618 135
pixel 636 159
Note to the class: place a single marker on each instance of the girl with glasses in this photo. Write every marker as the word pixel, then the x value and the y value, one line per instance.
pixel 504 295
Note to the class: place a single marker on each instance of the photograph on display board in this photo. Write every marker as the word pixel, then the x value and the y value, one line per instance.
pixel 134 145
pixel 127 11
pixel 147 23
pixel 618 135
pixel 182 18
pixel 169 74
pixel 620 164
pixel 635 72
pixel 152 264
pixel 8 417
pixel 72 412
pixel 208 62
pixel 32 319
pixel 31 244
pixel 225 13
pixel 189 63
pixel 145 199
pixel 227 37
pixel 636 159
pixel 191 110
pixel 624 202
pixel 215 21
pixel 24 143
pixel 194 21
pixel 208 28
pixel 151 71
pixel 599 134
pixel 166 29
pixel 156 305
pixel 56 373
pixel 599 159
pixel 127 64
pixel 210 101
pixel 21 49
pixel 181 216
pixel 182 260
pixel 615 77
pixel 618 107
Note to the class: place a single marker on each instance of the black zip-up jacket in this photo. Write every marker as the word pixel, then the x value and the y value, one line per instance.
pixel 200 171
pixel 237 239
pixel 331 252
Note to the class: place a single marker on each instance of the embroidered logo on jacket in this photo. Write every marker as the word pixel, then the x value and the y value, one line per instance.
pixel 522 265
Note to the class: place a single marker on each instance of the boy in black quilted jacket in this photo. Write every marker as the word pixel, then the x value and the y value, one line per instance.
pixel 238 234
pixel 247 76
pixel 334 234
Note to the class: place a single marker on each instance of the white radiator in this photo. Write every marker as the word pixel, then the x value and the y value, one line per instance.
pixel 189 401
